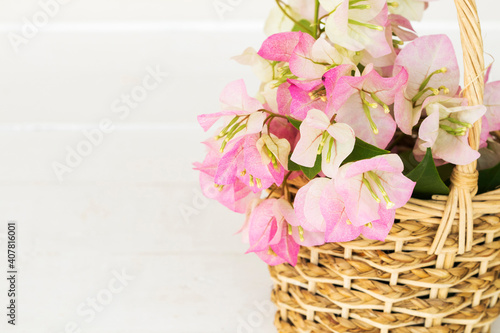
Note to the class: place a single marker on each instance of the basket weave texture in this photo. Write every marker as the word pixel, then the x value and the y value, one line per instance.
pixel 436 272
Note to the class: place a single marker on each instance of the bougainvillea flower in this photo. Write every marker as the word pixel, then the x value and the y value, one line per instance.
pixel 437 74
pixel 363 103
pixel 306 96
pixel 235 196
pixel 245 161
pixel 366 186
pixel 339 227
pixel 357 26
pixel 446 127
pixel 275 235
pixel 282 129
pixel 311 58
pixel 240 111
pixel 318 136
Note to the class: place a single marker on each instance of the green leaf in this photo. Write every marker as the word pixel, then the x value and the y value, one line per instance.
pixel 363 150
pixel 409 161
pixel 489 179
pixel 292 166
pixel 304 26
pixel 312 172
pixel 296 123
pixel 427 178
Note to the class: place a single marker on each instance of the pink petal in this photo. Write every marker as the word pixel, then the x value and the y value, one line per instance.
pixel 287 249
pixel 228 165
pixel 302 103
pixel 284 99
pixel 262 226
pixel 253 165
pixel 279 47
pixel 381 227
pixel 405 114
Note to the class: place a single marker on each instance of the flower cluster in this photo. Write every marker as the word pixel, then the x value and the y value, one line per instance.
pixel 356 103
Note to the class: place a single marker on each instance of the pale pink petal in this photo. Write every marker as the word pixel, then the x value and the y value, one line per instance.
pixel 425 55
pixel 343 143
pixel 492 102
pixel 235 98
pixel 285 209
pixel 270 259
pixel 302 63
pixel 398 188
pixel 402 28
pixel 333 210
pixel 254 123
pixel 307 205
pixel 207 120
pixel 310 238
pixel 429 129
pixel 387 163
pixel 352 113
pixel 311 130
pixel 360 206
pixel 454 149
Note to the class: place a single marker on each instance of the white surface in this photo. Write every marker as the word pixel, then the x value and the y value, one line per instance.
pixel 120 208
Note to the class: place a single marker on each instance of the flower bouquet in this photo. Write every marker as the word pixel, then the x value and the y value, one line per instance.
pixel 356 163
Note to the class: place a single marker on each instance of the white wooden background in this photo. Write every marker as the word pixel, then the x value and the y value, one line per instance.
pixel 120 208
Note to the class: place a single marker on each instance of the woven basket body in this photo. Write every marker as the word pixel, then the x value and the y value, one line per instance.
pixel 437 270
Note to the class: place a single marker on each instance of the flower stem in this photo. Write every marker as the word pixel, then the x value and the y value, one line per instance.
pixel 316 20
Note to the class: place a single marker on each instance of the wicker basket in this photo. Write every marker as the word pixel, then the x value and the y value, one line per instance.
pixel 436 272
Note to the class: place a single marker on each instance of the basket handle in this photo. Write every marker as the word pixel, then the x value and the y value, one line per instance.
pixel 464 178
